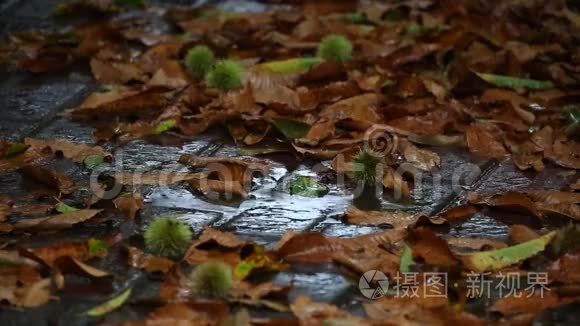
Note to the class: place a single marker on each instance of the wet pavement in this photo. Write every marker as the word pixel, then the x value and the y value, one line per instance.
pixel 30 106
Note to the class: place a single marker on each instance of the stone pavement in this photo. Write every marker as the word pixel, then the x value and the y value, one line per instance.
pixel 29 107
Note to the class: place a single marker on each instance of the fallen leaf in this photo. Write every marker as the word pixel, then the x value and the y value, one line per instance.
pixel 147 262
pixel 514 82
pixel 520 233
pixel 482 142
pixel 110 305
pixel 433 249
pixel 24 287
pixel 52 179
pixel 60 221
pixel 317 313
pixel 497 259
pixel 129 203
pixel 395 219
pixel 5 208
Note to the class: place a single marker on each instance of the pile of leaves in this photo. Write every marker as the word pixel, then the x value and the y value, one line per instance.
pixel 498 79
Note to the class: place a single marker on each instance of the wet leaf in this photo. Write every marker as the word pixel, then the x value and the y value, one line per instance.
pixel 308 187
pixel 291 129
pixel 514 82
pixel 60 221
pixel 500 258
pixel 110 305
pixel 147 262
pixel 73 151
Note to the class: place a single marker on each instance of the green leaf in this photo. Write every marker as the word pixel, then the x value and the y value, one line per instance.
pixel 355 18
pixel 291 66
pixel 97 247
pixel 514 82
pixel 497 259
pixel 15 149
pixel 163 126
pixel 64 208
pixel 110 305
pixel 291 128
pixel 308 187
pixel 406 260
pixel 92 161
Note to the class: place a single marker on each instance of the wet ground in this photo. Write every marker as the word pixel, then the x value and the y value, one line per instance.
pixel 29 107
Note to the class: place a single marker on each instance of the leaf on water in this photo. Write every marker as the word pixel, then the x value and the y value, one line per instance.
pixel 110 305
pixel 92 161
pixel 291 129
pixel 514 82
pixel 308 187
pixel 406 260
pixel 290 66
pixel 497 259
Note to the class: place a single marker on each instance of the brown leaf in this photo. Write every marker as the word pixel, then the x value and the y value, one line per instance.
pixel 203 313
pixel 396 219
pixel 421 158
pixel 481 141
pixel 129 203
pixel 147 262
pixel 215 244
pixel 75 152
pixel 153 177
pixel 50 254
pixel 520 233
pixel 315 247
pixel 513 201
pixel 60 221
pixel 417 312
pixel 52 179
pixel 170 75
pixel 125 103
pixel 433 249
pixel 24 287
pixel 67 264
pixel 459 213
pixel 5 208
pixel 108 72
pixel 475 243
pixel 316 313
pixel 566 269
pixel 527 303
pixel 517 101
